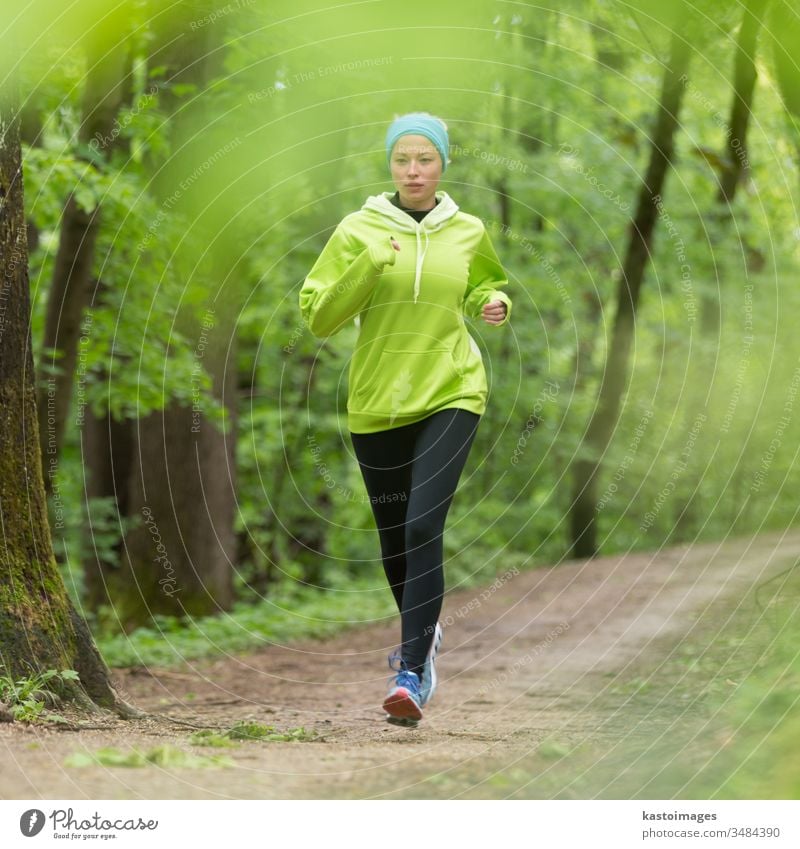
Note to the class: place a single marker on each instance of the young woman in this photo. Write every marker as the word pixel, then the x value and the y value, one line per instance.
pixel 407 267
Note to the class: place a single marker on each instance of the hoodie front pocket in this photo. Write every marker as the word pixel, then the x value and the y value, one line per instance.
pixel 410 381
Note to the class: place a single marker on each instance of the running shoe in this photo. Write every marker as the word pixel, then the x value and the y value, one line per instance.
pixel 429 680
pixel 402 702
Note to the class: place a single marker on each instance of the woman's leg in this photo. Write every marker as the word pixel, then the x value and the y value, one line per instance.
pixel 440 452
pixel 385 461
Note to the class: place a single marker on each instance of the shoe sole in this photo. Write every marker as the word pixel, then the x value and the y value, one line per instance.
pixel 399 720
pixel 400 705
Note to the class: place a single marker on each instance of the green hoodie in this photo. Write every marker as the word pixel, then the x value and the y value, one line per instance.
pixel 414 355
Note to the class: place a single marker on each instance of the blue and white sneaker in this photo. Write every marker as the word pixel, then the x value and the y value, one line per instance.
pixel 402 702
pixel 429 679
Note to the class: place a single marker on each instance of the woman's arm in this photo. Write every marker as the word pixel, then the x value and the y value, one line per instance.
pixel 341 281
pixel 486 276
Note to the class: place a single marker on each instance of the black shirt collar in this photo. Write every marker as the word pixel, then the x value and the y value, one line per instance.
pixel 416 214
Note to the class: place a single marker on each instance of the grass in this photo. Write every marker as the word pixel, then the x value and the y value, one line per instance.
pixel 299 612
pixel 163 756
pixel 251 731
pixel 28 698
pixel 305 612
pixel 174 757
pixel 713 717
pixel 256 731
pixel 725 708
pixel 214 739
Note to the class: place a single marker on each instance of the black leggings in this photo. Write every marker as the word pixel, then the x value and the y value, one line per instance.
pixel 411 474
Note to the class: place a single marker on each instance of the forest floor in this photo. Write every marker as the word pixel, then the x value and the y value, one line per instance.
pixel 577 658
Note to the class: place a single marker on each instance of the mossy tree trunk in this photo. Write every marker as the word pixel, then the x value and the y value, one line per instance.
pixel 39 627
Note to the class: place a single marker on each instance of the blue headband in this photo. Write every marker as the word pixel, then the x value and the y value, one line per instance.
pixel 418 124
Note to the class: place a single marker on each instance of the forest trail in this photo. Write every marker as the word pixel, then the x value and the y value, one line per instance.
pixel 536 656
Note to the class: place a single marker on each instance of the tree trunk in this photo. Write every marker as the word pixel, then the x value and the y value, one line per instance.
pixel 107 449
pixel 604 418
pixel 69 293
pixel 735 164
pixel 744 82
pixel 736 161
pixel 39 627
pixel 784 29
pixel 106 444
pixel 70 288
pixel 178 561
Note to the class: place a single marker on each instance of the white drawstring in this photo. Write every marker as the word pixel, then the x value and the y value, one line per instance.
pixel 420 260
pixel 382 205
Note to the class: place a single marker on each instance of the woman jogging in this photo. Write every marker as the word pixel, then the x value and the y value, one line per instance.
pixel 406 268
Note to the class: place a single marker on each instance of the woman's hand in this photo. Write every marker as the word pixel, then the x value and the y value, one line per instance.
pixel 494 312
pixel 381 255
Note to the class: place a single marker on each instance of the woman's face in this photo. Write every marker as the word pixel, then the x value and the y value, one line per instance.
pixel 416 170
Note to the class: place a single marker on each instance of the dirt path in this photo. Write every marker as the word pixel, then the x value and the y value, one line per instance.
pixel 527 660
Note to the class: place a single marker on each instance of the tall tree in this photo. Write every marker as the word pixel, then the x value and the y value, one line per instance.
pixel 39 627
pixel 182 481
pixel 735 162
pixel 784 30
pixel 107 443
pixel 70 290
pixel 601 426
pixel 732 166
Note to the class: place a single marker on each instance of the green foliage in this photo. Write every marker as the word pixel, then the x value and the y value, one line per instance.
pixel 29 698
pixel 129 339
pixel 290 613
pixel 716 718
pixel 552 750
pixel 248 730
pixel 166 756
pixel 214 739
pixel 549 148
pixel 256 731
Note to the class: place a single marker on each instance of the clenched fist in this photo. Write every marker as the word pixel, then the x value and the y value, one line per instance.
pixel 494 312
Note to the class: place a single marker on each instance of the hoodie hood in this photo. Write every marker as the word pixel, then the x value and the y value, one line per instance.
pixel 437 218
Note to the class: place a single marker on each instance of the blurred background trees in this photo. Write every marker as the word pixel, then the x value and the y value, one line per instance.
pixel 184 163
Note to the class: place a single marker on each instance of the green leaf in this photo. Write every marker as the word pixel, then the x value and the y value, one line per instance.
pixel 85 197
